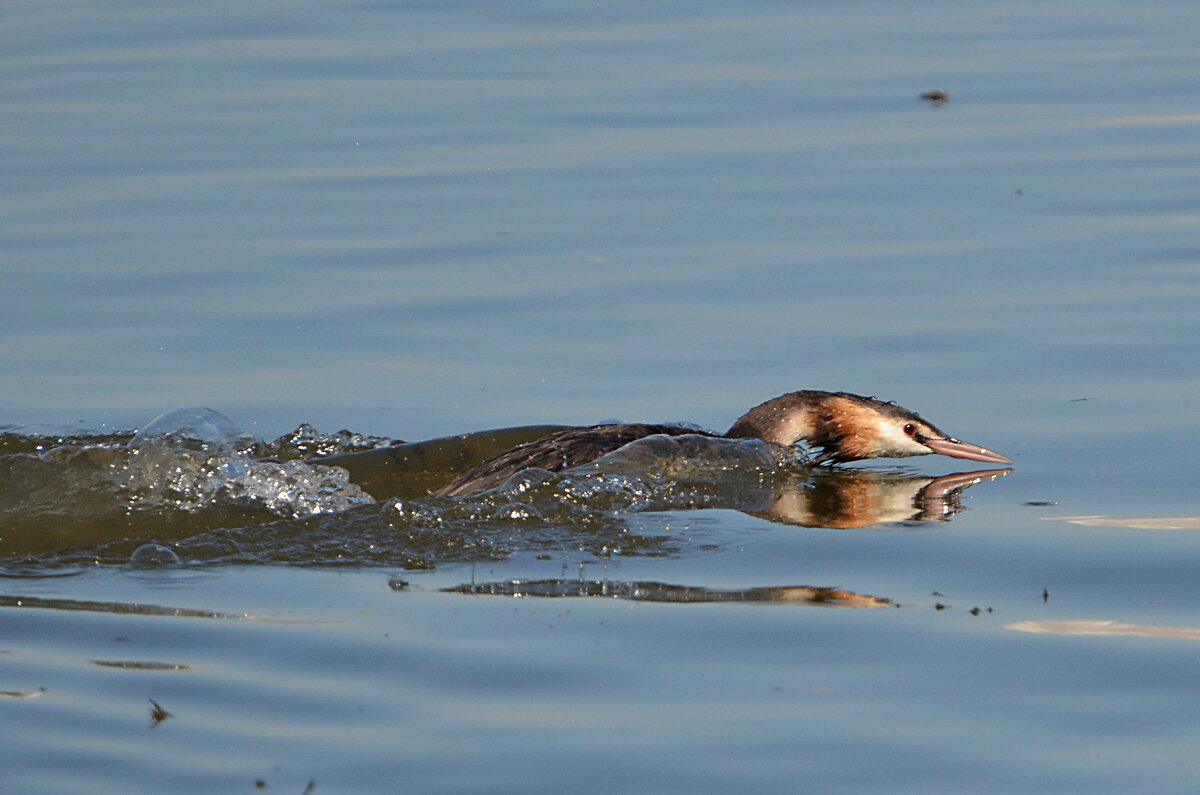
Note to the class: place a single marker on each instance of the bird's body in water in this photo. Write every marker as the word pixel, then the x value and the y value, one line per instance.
pixel 839 426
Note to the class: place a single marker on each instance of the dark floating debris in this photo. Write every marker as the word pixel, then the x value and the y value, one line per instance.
pixel 157 714
pixel 937 96
pixel 1041 503
pixel 1045 595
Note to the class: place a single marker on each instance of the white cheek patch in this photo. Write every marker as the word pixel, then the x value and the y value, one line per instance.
pixel 893 441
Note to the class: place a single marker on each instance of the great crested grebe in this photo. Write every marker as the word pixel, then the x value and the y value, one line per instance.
pixel 839 425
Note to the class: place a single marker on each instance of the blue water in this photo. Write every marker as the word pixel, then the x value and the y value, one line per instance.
pixel 415 220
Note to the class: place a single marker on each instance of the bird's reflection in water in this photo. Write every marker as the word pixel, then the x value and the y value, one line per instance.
pixel 665 592
pixel 865 498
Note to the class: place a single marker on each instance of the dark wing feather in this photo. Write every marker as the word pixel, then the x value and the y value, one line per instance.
pixel 557 452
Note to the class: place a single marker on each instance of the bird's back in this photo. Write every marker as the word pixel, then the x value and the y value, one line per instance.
pixel 557 452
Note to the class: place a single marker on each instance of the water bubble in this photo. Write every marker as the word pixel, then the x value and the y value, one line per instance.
pixel 153 556
pixel 518 512
pixel 194 424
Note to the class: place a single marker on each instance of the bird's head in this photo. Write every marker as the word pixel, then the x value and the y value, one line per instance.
pixel 851 427
pixel 845 427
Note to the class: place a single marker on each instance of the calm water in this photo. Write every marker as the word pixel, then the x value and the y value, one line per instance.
pixel 415 220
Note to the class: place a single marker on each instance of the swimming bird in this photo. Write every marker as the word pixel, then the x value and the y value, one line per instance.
pixel 838 426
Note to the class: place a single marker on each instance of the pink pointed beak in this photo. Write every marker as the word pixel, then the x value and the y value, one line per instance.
pixel 972 452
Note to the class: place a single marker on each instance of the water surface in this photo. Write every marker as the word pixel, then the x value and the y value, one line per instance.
pixel 414 221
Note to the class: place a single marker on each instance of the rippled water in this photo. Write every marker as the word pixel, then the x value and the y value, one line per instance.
pixel 346 225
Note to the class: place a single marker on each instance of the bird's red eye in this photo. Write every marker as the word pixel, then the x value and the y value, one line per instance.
pixel 910 429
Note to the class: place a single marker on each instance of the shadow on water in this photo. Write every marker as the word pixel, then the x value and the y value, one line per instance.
pixel 214 496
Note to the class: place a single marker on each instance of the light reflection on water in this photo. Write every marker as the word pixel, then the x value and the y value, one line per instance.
pixel 417 220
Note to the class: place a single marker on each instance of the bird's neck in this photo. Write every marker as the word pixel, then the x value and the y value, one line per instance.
pixel 785 420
